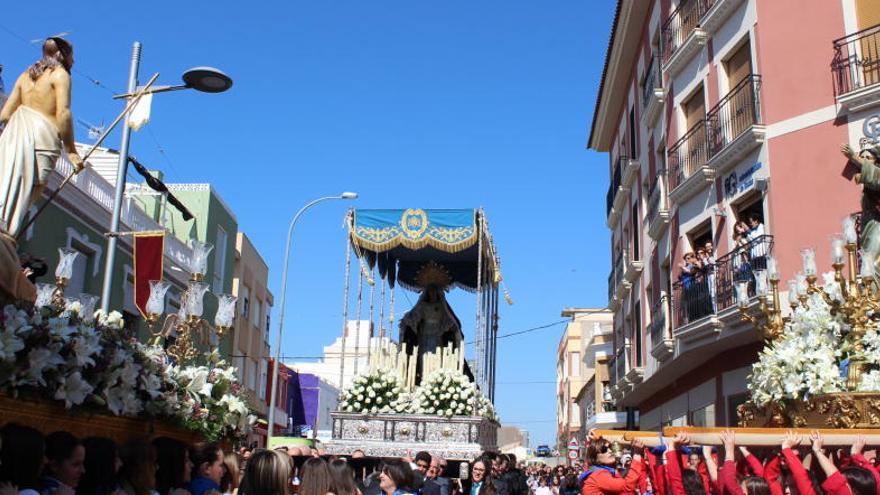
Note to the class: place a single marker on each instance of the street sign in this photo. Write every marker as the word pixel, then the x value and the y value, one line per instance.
pixel 573 444
pixel 573 454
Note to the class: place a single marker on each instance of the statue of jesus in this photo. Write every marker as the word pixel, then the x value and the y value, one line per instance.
pixel 39 126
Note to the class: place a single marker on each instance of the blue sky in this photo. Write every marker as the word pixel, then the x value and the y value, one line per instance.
pixel 410 103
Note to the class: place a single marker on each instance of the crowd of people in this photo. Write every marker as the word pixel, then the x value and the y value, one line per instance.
pixel 62 464
pixel 699 270
pixel 681 469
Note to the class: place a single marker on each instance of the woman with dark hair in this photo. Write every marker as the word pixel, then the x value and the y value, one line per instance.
pixel 138 473
pixel 570 486
pixel 315 477
pixel 173 467
pixel 267 473
pixel 602 477
pixel 682 481
pixel 480 480
pixel 396 478
pixel 207 459
pixel 102 468
pixel 342 478
pixel 65 456
pixel 750 485
pixel 21 458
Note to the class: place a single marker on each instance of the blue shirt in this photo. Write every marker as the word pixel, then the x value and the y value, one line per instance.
pixel 199 485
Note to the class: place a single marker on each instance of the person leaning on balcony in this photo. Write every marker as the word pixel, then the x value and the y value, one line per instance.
pixel 690 271
pixel 758 249
pixel 868 162
pixel 602 477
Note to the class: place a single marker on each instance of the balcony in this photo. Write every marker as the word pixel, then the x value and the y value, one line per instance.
pixel 658 206
pixel 734 126
pixel 613 205
pixel 682 36
pixel 687 161
pixel 652 92
pixel 662 343
pixel 699 299
pixel 855 70
pixel 718 11
pixel 633 267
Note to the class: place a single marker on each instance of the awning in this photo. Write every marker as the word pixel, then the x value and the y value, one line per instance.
pixel 402 242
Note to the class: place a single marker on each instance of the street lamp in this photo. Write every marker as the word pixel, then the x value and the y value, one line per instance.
pixel 204 79
pixel 276 370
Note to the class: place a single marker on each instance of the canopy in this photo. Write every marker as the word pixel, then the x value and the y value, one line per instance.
pixel 403 242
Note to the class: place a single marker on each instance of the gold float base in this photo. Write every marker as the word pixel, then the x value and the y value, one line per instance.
pixel 837 410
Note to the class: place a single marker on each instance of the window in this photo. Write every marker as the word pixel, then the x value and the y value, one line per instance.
pixel 251 375
pixel 264 373
pixel 704 416
pixel 575 363
pixel 739 65
pixel 695 108
pixel 256 313
pixel 633 150
pixel 268 321
pixel 636 249
pixel 220 261
pixel 637 334
pixel 245 302
pixel 733 402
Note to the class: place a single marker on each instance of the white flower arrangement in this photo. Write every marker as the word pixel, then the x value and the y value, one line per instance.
pixel 448 392
pixel 444 392
pixel 376 391
pixel 804 361
pixel 54 353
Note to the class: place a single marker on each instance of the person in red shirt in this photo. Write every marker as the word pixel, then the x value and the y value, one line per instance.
pixel 850 481
pixel 750 485
pixel 602 477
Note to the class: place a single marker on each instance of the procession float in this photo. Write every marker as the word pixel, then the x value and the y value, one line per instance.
pixel 65 366
pixel 419 392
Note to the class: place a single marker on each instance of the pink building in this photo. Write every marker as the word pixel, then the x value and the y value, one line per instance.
pixel 713 112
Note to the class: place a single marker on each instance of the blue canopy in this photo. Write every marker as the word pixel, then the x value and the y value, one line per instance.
pixel 404 242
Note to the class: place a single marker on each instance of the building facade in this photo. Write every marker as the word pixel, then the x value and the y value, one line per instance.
pixel 79 218
pixel 310 402
pixel 594 402
pixel 250 335
pixel 344 358
pixel 716 112
pixel 513 440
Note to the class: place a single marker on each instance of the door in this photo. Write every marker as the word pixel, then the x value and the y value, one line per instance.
pixel 695 114
pixel 867 16
pixel 738 111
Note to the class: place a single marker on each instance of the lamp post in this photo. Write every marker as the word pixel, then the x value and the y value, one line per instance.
pixel 276 370
pixel 204 79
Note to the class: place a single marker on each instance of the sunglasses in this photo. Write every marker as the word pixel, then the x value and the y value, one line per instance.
pixel 604 449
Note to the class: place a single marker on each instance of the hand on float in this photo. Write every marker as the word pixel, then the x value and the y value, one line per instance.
pixel 791 440
pixel 637 447
pixel 681 438
pixel 818 442
pixel 858 446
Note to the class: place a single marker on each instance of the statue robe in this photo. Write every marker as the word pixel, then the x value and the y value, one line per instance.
pixel 29 148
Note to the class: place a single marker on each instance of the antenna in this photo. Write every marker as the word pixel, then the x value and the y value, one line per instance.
pixel 59 35
pixel 95 131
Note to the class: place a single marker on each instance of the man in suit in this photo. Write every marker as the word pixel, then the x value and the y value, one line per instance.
pixel 435 482
pixel 514 478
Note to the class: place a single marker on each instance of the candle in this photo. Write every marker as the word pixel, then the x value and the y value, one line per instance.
pixel 742 294
pixel 866 264
pixel 801 283
pixel 760 282
pixel 837 254
pixel 809 257
pixel 849 230
pixel 772 271
pixel 793 291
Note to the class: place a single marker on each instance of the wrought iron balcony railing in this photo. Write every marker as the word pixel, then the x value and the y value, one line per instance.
pixel 709 290
pixel 615 184
pixel 655 195
pixel 736 112
pixel 856 62
pixel 679 25
pixel 652 80
pixel 687 154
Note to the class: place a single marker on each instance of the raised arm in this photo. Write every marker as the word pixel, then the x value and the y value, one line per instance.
pixel 835 483
pixel 801 478
pixel 727 474
pixel 673 464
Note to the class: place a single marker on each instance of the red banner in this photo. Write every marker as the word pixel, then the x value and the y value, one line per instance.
pixel 149 251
